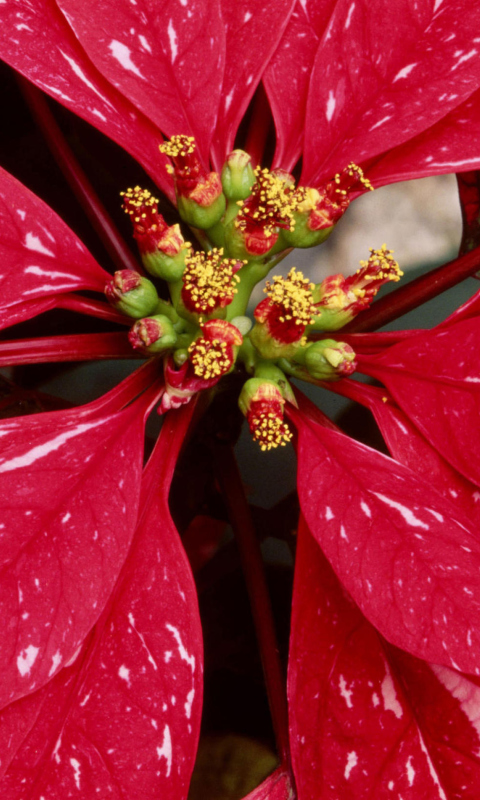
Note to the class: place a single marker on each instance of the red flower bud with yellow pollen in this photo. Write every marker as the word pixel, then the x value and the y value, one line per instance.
pixel 209 282
pixel 213 353
pixel 200 197
pixel 282 317
pixel 162 247
pixel 339 299
pixel 334 197
pixel 262 403
pixel 268 209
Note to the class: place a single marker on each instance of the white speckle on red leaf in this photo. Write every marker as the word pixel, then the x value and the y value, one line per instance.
pixel 329 513
pixel 331 103
pixel 142 639
pixel 124 674
pixel 56 661
pixel 410 771
pixel 55 753
pixel 389 694
pixel 404 72
pixel 349 16
pixel 45 449
pixel 26 659
pixel 343 533
pixel 172 35
pixel 181 649
pixel 346 693
pixel 366 509
pixel 189 703
pixel 76 771
pixel 122 53
pixel 406 513
pixel 352 762
pixel 165 751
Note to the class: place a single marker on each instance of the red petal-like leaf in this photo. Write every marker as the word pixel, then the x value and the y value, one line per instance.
pixel 251 38
pixel 408 559
pixel 469 192
pixel 408 446
pixel 123 720
pixel 370 92
pixel 435 379
pixel 276 787
pixel 287 76
pixel 354 732
pixel 40 256
pixel 69 482
pixel 451 145
pixel 35 39
pixel 166 57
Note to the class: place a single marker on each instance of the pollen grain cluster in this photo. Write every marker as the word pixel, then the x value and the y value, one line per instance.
pixel 141 206
pixel 294 295
pixel 210 358
pixel 179 145
pixel 209 281
pixel 270 205
pixel 268 429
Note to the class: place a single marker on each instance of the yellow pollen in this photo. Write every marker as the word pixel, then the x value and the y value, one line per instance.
pixel 179 145
pixel 271 203
pixel 209 358
pixel 358 174
pixel 210 279
pixel 383 266
pixel 294 295
pixel 269 430
pixel 135 199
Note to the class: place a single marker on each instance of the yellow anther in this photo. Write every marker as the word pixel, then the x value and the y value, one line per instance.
pixel 210 358
pixel 380 266
pixel 209 280
pixel 269 429
pixel 294 295
pixel 179 145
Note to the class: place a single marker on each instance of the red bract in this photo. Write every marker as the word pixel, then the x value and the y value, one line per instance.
pixel 101 654
pixel 366 719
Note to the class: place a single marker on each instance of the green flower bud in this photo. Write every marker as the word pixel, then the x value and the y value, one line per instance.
pixel 153 335
pixel 237 176
pixel 131 294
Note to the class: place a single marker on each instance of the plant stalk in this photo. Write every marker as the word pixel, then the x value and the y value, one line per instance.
pixel 239 513
pixel 103 224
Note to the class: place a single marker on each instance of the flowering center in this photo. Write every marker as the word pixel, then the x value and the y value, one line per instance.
pixel 269 206
pixel 350 179
pixel 267 426
pixel 294 295
pixel 210 358
pixel 209 281
pixel 142 209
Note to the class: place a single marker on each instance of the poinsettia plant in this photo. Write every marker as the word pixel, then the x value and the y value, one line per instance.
pixel 101 649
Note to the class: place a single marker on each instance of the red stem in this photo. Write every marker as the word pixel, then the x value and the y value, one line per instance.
pixel 103 224
pixel 415 293
pixel 240 518
pixel 93 308
pixel 259 126
pixel 79 347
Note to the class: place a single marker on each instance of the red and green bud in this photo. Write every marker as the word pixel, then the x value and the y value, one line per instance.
pixel 255 230
pixel 338 299
pixel 162 247
pixel 262 403
pixel 153 335
pixel 213 353
pixel 332 200
pixel 281 319
pixel 131 294
pixel 327 360
pixel 238 176
pixel 308 230
pixel 200 198
pixel 209 282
